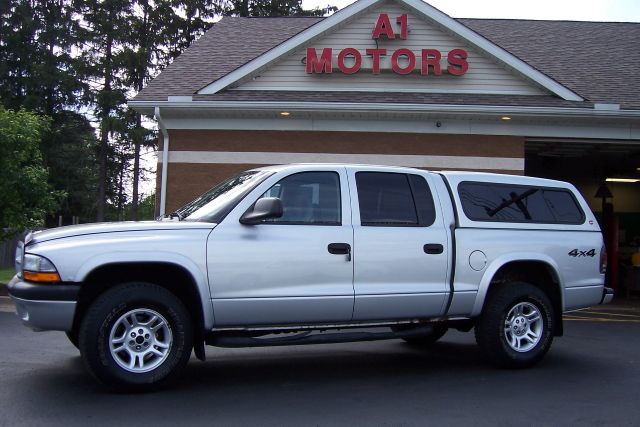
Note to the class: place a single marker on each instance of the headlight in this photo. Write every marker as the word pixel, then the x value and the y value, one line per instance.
pixel 36 268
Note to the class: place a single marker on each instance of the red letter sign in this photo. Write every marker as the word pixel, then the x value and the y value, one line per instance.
pixel 410 56
pixel 458 64
pixel 430 58
pixel 356 63
pixel 376 53
pixel 318 65
pixel 403 21
pixel 383 26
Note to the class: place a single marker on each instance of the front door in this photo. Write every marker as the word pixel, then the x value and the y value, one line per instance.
pixel 293 269
pixel 401 254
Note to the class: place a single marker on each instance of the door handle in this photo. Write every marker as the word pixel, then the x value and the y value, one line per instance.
pixel 433 248
pixel 340 249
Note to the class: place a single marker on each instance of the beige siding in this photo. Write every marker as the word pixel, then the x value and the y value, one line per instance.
pixel 483 76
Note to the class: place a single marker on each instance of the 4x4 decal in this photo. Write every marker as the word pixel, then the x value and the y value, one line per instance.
pixel 577 254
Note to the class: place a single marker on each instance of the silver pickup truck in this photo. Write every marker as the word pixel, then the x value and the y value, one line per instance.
pixel 319 253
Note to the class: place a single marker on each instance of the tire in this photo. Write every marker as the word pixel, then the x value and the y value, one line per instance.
pixel 73 337
pixel 516 326
pixel 135 337
pixel 438 331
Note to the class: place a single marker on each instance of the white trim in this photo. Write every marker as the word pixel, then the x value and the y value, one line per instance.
pixel 421 7
pixel 165 152
pixel 244 106
pixel 386 90
pixel 269 158
pixel 427 125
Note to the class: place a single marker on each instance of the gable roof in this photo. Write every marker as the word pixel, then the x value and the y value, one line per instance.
pixel 597 60
pixel 419 6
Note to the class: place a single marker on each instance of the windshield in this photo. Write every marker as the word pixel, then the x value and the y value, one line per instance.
pixel 216 203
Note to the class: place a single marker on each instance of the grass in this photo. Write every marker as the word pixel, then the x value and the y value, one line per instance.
pixel 6 274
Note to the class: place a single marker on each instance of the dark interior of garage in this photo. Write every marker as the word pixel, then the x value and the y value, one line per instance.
pixel 605 172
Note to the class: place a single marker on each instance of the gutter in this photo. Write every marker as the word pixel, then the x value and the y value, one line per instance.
pixel 165 162
pixel 226 106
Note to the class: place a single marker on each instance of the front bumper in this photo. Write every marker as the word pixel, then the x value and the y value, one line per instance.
pixel 44 307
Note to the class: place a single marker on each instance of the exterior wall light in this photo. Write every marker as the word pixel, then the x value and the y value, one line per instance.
pixel 622 180
pixel 285 113
pixel 505 118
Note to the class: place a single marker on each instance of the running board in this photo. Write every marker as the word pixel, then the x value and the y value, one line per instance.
pixel 304 338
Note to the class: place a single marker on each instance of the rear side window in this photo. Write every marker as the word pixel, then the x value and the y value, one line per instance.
pixel 483 201
pixel 394 199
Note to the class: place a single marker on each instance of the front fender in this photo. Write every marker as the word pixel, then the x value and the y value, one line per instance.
pixel 165 257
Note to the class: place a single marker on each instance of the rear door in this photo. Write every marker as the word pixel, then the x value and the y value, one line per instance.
pixel 400 246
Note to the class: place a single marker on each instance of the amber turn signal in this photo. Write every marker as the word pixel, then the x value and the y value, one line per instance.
pixel 32 276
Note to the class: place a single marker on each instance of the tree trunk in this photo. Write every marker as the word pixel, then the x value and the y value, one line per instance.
pixel 136 172
pixel 104 132
pixel 120 208
pixel 138 139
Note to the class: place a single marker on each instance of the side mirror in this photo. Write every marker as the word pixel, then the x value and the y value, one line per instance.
pixel 268 207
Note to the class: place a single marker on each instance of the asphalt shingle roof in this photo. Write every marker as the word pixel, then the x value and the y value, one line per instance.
pixel 229 44
pixel 598 60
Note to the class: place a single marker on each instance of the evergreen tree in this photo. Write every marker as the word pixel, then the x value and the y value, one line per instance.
pixel 273 8
pixel 78 61
pixel 106 28
pixel 40 72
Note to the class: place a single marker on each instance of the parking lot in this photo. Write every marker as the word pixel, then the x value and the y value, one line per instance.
pixel 590 377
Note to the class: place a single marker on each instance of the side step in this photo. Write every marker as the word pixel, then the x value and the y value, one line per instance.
pixel 225 339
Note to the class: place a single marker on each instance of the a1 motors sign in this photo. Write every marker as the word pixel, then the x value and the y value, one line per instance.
pixel 403 60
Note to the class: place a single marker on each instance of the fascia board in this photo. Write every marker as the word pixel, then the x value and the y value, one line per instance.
pixel 286 47
pixel 385 107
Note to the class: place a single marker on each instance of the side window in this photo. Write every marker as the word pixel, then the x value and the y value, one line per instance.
pixel 424 200
pixel 394 199
pixel 518 203
pixel 311 198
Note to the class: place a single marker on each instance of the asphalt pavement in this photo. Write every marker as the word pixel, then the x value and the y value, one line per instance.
pixel 591 376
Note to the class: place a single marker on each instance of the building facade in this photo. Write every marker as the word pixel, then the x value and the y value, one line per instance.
pixel 399 82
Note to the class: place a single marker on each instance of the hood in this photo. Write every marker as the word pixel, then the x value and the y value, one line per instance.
pixel 113 227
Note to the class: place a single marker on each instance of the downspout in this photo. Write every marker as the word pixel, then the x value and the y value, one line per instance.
pixel 165 161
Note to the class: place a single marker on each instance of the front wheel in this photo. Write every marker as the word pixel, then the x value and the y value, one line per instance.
pixel 516 326
pixel 136 336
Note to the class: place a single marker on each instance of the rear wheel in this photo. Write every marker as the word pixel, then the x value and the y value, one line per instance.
pixel 516 326
pixel 136 336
